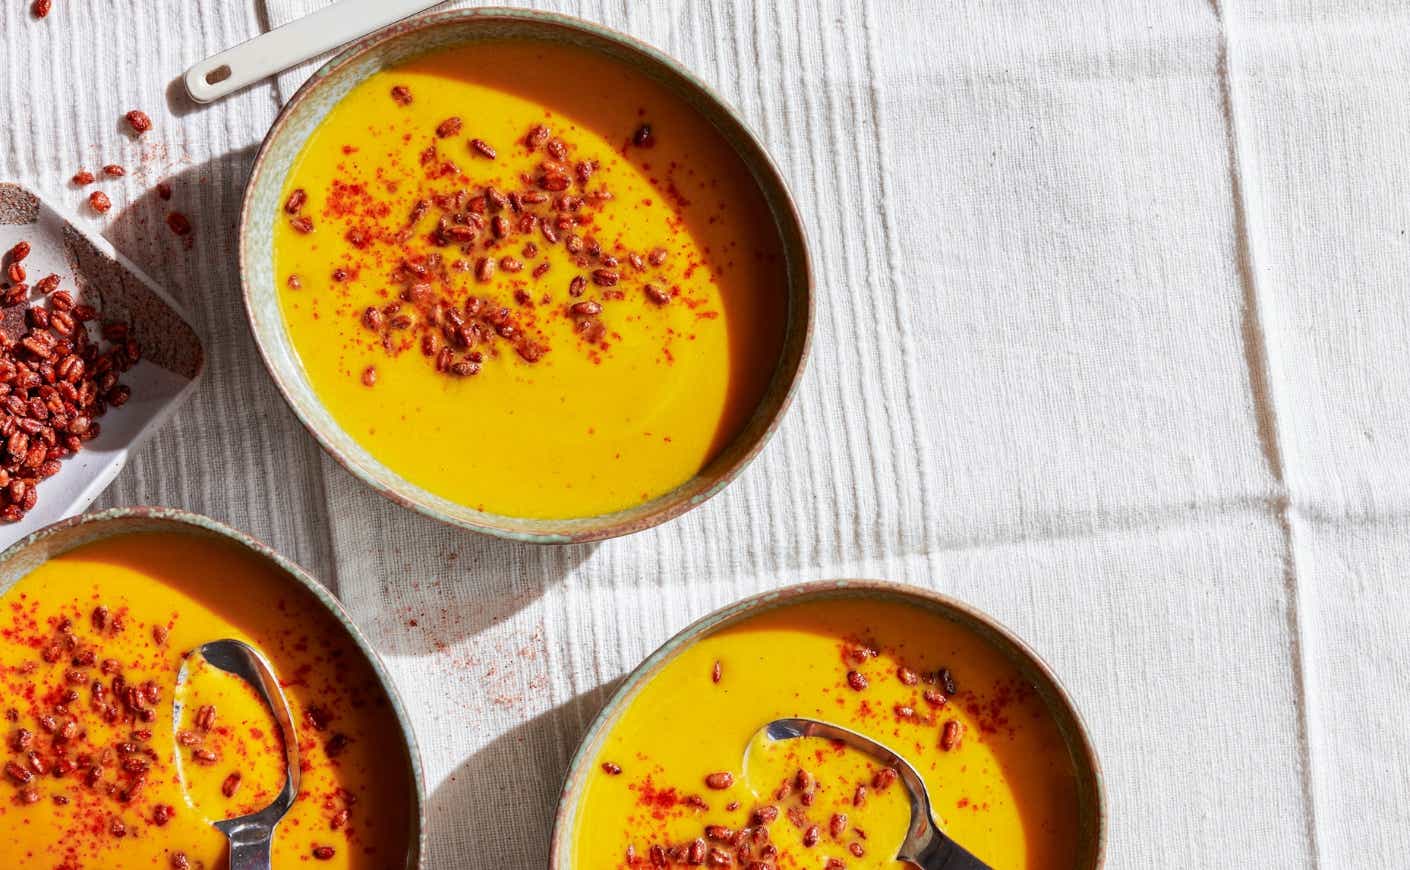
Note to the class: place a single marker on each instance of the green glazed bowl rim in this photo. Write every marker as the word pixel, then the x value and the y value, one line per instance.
pixel 1091 785
pixel 144 518
pixel 799 287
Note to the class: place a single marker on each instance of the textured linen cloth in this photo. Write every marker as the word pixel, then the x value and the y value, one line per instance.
pixel 1110 342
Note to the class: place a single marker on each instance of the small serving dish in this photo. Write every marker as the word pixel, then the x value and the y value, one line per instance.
pixel 1010 767
pixel 354 735
pixel 264 212
pixel 172 356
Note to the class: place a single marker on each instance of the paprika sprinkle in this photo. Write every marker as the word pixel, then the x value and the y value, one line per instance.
pixel 90 645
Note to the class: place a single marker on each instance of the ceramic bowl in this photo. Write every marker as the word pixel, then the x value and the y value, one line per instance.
pixel 28 554
pixel 172 357
pixel 416 36
pixel 1091 794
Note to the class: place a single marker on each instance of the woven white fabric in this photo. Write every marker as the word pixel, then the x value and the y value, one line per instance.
pixel 1110 342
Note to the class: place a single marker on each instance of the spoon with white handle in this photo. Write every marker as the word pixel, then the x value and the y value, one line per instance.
pixel 295 42
pixel 925 846
pixel 252 836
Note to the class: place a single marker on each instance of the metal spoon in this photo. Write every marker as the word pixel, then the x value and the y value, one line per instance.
pixel 252 836
pixel 925 846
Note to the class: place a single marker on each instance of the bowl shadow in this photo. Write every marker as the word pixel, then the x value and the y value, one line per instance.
pixel 235 452
pixel 520 776
pixel 418 586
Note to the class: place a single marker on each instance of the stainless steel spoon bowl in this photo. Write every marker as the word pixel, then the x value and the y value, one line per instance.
pixel 925 846
pixel 252 836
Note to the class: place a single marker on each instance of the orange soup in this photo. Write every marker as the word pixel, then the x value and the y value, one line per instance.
pixel 97 774
pixel 685 777
pixel 530 279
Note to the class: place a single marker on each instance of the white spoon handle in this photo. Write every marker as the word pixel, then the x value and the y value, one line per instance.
pixel 294 43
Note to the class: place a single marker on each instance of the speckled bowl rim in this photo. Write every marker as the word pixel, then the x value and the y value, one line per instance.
pixel 783 386
pixel 183 522
pixel 1074 730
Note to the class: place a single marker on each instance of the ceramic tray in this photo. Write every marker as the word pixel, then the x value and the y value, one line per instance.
pixel 172 356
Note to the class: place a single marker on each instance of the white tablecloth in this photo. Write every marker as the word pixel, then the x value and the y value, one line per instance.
pixel 1111 342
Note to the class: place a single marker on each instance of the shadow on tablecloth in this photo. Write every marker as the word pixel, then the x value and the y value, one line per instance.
pixel 498 806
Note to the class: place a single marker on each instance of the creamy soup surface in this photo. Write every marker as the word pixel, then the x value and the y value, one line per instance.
pixel 671 782
pixel 97 774
pixel 529 279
